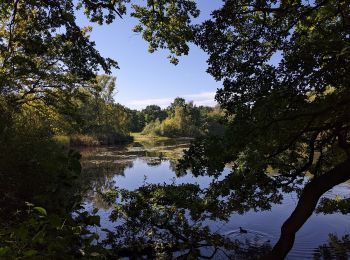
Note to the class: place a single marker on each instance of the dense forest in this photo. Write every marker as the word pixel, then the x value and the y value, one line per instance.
pixel 290 115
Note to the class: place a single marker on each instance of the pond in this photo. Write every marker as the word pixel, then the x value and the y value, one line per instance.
pixel 138 164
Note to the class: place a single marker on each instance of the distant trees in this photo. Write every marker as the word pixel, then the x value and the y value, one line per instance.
pixel 152 113
pixel 187 120
pixel 181 122
pixel 137 121
pixel 99 115
pixel 178 102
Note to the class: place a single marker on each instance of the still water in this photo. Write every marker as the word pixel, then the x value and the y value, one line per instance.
pixel 133 165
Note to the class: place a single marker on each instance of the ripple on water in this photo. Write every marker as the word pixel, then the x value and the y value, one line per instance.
pixel 253 237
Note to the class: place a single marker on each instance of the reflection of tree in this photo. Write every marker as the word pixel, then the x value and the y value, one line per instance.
pixel 100 166
pixel 173 165
pixel 154 161
pixel 171 148
pixel 335 205
pixel 169 220
pixel 335 249
pixel 250 179
pixel 100 178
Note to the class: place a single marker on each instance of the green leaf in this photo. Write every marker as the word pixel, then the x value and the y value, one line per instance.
pixel 30 252
pixel 55 221
pixel 39 237
pixel 41 211
pixel 4 251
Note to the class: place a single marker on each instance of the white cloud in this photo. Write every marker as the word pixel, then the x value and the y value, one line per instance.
pixel 199 99
pixel 145 102
pixel 207 102
pixel 202 95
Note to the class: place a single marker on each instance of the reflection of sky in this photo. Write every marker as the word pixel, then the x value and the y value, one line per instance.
pixel 261 225
pixel 141 172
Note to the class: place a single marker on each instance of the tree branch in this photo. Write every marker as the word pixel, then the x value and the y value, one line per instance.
pixel 306 206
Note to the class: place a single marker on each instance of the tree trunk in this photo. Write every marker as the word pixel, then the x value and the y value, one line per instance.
pixel 305 207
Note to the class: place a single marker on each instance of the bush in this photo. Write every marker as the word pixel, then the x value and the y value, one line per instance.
pixel 62 140
pixel 83 140
pixel 153 128
pixel 170 128
pixel 80 140
pixel 34 167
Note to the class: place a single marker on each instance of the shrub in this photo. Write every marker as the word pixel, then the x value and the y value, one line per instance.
pixel 84 140
pixel 153 128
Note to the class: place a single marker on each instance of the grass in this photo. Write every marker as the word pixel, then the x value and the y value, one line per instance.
pixel 62 139
pixel 141 137
pixel 76 140
pixel 83 140
pixel 86 140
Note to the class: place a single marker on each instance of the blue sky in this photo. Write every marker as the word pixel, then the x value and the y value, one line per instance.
pixel 145 78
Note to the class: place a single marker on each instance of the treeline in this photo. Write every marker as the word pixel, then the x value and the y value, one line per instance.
pixel 92 117
pixel 180 119
pixel 97 118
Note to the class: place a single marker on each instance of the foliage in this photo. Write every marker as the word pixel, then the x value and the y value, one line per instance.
pixel 331 206
pixel 41 235
pixel 34 167
pixel 166 221
pixel 99 119
pixel 165 24
pixel 285 72
pixel 181 124
pixel 337 248
pixel 284 68
pixel 137 121
pixel 152 113
pixel 48 87
pixel 178 102
pixel 83 140
pixel 153 128
pixel 187 120
pixel 284 111
pixel 43 52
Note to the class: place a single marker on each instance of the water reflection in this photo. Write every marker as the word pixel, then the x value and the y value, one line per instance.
pixel 193 216
pixel 336 248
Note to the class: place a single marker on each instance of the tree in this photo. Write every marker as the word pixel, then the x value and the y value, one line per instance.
pixel 185 120
pixel 137 121
pixel 285 73
pixel 43 51
pixel 97 115
pixel 178 102
pixel 152 113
